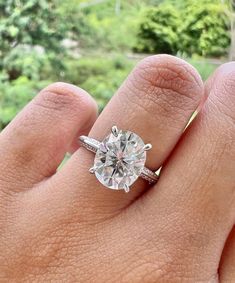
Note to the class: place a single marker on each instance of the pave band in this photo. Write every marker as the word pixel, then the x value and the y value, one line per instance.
pixel 93 145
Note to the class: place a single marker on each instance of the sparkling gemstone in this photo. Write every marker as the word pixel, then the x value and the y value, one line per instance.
pixel 120 160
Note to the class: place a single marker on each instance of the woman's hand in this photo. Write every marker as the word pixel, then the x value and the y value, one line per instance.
pixel 64 226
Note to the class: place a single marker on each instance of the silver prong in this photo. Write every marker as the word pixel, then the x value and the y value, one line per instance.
pixel 126 188
pixel 147 147
pixel 82 138
pixel 92 170
pixel 114 131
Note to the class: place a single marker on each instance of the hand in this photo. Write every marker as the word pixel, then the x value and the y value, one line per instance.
pixel 64 226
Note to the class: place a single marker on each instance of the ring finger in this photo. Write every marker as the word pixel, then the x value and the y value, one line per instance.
pixel 156 102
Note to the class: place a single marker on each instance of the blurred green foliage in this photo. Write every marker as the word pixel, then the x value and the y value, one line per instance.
pixel 92 45
pixel 14 95
pixel 205 30
pixel 159 30
pixel 189 27
pixel 100 76
pixel 28 27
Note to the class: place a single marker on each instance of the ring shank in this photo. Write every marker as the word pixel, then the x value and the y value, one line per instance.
pixel 93 145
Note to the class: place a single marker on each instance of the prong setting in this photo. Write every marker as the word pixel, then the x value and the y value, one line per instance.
pixel 121 172
pixel 147 147
pixel 115 131
pixel 92 170
pixel 126 188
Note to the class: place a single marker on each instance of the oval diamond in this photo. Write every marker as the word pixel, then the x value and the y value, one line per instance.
pixel 120 160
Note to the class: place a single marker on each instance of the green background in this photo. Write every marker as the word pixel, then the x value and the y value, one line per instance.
pixel 95 44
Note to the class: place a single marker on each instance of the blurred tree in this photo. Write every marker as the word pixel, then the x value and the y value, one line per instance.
pixel 45 41
pixel 25 24
pixel 190 27
pixel 205 30
pixel 97 26
pixel 231 12
pixel 158 30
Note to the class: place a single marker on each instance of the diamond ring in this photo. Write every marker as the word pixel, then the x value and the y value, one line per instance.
pixel 119 159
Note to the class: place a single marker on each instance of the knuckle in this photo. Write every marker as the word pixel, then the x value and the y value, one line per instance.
pixel 167 81
pixel 223 94
pixel 39 260
pixel 62 97
pixel 170 73
pixel 151 270
pixel 143 273
pixel 171 258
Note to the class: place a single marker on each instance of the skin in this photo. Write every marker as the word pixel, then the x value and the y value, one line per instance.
pixel 64 226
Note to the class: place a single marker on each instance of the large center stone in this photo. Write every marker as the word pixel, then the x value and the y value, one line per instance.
pixel 120 160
